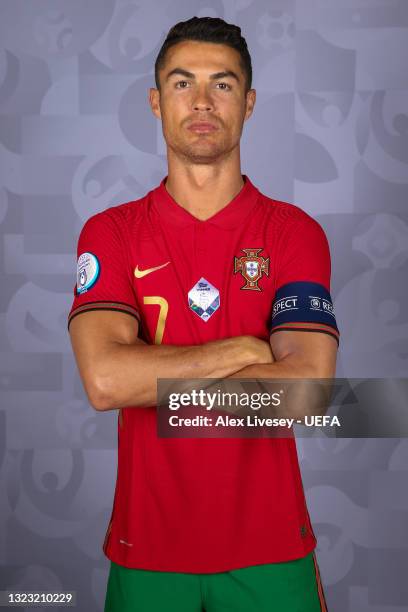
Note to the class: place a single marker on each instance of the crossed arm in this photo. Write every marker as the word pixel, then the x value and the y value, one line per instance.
pixel 118 369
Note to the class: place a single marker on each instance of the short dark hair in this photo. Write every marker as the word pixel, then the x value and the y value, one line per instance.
pixel 206 29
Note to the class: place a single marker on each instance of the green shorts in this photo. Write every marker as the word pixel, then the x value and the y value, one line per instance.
pixel 292 586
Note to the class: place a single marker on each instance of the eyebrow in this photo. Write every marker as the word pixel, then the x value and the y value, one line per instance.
pixel 216 75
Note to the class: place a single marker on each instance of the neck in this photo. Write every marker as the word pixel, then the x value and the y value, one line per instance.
pixel 205 189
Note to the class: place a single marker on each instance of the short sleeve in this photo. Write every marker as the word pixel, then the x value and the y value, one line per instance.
pixel 103 275
pixel 302 297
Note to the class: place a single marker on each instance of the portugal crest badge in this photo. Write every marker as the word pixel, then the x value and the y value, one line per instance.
pixel 251 266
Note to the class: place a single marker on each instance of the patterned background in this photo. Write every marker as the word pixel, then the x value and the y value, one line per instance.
pixel 329 133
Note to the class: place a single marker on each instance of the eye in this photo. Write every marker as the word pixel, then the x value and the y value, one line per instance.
pixel 227 86
pixel 178 83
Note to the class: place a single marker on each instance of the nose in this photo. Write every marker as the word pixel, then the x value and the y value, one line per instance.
pixel 202 100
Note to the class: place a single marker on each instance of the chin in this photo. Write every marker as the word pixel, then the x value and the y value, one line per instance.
pixel 204 151
pixel 201 156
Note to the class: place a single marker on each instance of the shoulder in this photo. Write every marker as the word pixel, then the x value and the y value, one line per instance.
pixel 285 212
pixel 119 216
pixel 288 218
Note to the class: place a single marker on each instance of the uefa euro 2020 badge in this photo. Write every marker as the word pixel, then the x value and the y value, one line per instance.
pixel 251 266
pixel 204 299
pixel 88 269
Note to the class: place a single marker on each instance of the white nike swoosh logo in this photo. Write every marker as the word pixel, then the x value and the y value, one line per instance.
pixel 142 273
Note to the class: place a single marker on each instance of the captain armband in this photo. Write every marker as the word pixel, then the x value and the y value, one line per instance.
pixel 304 306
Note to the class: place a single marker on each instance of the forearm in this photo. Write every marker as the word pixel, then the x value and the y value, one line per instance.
pixel 277 369
pixel 128 373
pixel 302 397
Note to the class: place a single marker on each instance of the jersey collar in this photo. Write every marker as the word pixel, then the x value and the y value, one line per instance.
pixel 231 216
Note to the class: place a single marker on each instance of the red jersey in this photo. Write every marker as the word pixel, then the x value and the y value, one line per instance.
pixel 256 267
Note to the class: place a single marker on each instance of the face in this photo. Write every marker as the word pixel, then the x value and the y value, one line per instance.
pixel 202 83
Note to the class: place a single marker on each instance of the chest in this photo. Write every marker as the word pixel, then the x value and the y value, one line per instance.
pixel 199 284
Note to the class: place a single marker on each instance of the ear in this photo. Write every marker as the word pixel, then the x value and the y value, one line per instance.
pixel 154 101
pixel 250 103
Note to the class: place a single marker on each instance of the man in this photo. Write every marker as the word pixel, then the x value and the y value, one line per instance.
pixel 210 524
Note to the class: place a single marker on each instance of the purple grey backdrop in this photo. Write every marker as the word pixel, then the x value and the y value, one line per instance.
pixel 329 133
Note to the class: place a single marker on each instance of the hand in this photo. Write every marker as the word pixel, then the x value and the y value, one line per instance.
pixel 262 351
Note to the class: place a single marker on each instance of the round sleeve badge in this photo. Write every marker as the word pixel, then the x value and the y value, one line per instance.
pixel 88 269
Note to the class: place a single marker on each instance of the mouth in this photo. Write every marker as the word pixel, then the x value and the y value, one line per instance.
pixel 202 127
